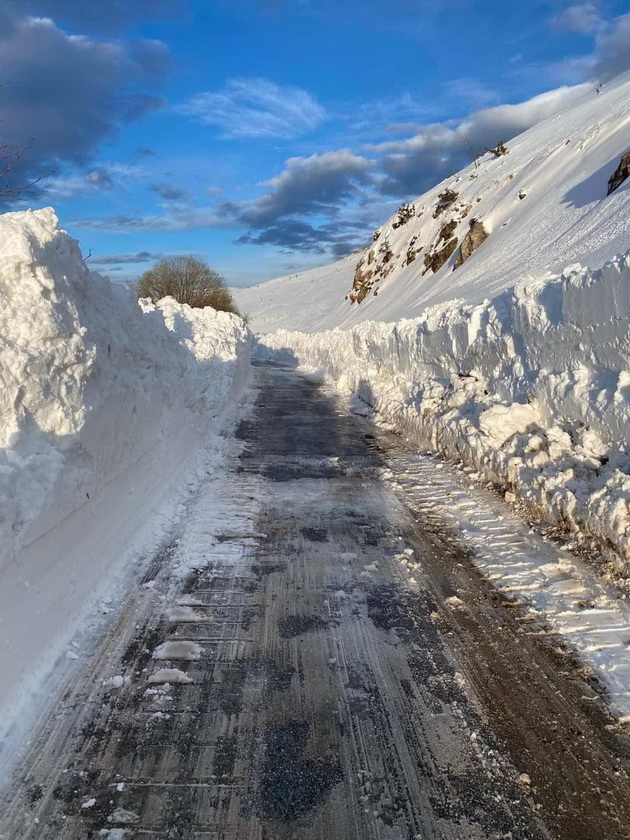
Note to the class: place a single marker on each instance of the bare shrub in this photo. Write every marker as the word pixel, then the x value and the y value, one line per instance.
pixel 188 280
pixel 10 156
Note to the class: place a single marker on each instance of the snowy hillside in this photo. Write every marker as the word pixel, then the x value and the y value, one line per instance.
pixel 543 205
pixel 104 409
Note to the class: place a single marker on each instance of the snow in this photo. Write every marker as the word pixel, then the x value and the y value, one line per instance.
pixel 189 651
pixel 169 676
pixel 187 615
pixel 111 412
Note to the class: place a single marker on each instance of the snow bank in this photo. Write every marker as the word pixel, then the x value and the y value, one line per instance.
pixel 104 406
pixel 532 388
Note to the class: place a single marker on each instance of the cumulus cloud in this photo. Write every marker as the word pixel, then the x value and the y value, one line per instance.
pixel 413 165
pixel 583 18
pixel 256 108
pixel 312 185
pixel 318 185
pixel 66 93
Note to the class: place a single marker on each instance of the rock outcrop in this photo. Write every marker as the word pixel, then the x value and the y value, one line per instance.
pixel 435 260
pixel 475 237
pixel 620 174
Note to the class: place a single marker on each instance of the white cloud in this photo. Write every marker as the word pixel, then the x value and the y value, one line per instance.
pixel 414 164
pixel 256 108
pixel 613 49
pixel 583 18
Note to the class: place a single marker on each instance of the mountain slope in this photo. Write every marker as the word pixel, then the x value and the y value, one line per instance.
pixel 543 205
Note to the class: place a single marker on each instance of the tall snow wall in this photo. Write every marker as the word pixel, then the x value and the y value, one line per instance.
pixel 105 407
pixel 532 388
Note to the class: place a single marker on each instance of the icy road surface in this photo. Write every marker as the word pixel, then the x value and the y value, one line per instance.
pixel 331 666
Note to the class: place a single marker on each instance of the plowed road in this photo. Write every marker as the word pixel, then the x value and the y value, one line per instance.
pixel 325 694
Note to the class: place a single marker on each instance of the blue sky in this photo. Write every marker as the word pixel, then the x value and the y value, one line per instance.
pixel 268 136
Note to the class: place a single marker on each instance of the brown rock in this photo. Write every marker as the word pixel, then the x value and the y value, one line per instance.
pixel 436 261
pixel 447 231
pixel 445 199
pixel 475 237
pixel 620 174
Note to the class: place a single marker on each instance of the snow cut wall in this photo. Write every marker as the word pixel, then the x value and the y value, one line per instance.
pixel 105 407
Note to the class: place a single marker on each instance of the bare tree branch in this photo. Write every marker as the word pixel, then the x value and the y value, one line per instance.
pixel 11 154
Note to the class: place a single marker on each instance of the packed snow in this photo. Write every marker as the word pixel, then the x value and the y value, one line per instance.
pixel 106 406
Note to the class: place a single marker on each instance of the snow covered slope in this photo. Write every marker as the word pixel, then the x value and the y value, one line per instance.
pixel 543 205
pixel 104 409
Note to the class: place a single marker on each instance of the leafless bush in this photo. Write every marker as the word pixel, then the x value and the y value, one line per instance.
pixel 10 155
pixel 188 280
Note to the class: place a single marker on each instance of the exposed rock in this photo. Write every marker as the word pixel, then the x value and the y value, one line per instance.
pixel 436 260
pixel 412 251
pixel 445 199
pixel 499 150
pixel 620 174
pixel 447 231
pixel 386 252
pixel 477 234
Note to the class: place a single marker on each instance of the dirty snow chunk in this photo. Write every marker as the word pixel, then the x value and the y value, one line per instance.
pixel 169 675
pixel 89 803
pixel 112 833
pixel 121 815
pixel 179 615
pixel 114 682
pixel 189 651
pixel 454 601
